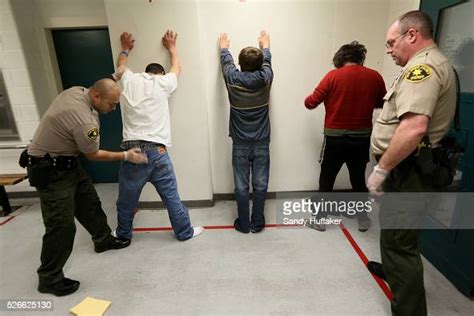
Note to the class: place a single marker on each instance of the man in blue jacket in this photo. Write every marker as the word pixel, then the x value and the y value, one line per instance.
pixel 249 126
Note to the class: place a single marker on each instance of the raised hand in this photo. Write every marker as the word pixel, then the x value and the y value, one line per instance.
pixel 169 39
pixel 264 40
pixel 224 40
pixel 127 41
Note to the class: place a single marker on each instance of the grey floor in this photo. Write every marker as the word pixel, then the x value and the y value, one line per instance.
pixel 279 271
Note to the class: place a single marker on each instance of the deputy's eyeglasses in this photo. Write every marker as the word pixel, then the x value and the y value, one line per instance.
pixel 392 42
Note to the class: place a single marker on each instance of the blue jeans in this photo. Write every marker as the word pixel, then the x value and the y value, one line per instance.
pixel 159 171
pixel 253 158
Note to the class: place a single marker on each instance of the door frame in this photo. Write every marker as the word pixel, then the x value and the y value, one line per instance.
pixel 84 56
pixel 48 52
pixel 434 8
pixel 440 246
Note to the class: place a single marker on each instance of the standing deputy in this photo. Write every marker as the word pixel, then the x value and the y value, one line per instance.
pixel 420 105
pixel 68 128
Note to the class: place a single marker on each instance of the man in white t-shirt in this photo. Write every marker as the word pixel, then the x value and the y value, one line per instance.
pixel 146 124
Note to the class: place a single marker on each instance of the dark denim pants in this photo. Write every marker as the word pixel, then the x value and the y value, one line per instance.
pixel 254 159
pixel 159 171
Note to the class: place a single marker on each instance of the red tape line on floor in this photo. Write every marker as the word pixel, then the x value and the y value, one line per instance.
pixel 155 229
pixel 346 233
pixel 364 259
pixel 7 220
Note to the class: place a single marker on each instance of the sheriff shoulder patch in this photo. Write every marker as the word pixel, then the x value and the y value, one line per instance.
pixel 418 73
pixel 93 134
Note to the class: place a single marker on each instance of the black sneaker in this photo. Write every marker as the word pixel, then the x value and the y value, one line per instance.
pixel 64 287
pixel 256 230
pixel 238 228
pixel 376 269
pixel 114 243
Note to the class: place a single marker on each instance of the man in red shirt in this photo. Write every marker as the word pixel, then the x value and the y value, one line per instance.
pixel 350 93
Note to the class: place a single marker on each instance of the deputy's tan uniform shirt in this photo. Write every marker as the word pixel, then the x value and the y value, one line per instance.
pixel 425 86
pixel 69 127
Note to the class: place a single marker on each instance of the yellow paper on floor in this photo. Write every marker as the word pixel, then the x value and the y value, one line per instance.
pixel 91 307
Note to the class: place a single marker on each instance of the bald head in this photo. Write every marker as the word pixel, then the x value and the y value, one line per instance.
pixel 105 86
pixel 104 94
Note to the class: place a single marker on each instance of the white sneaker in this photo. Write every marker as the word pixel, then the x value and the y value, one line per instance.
pixel 198 230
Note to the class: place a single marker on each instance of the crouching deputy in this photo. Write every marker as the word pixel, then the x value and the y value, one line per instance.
pixel 68 128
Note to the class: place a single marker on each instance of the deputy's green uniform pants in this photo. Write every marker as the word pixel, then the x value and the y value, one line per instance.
pixel 69 194
pixel 399 245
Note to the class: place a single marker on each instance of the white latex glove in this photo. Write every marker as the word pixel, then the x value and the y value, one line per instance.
pixel 375 180
pixel 135 155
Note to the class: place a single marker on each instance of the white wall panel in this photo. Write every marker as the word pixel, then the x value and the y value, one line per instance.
pixel 304 36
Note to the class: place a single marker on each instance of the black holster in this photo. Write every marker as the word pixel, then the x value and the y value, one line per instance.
pixel 440 163
pixel 40 173
pixel 40 169
pixel 23 161
pixel 424 159
pixel 446 159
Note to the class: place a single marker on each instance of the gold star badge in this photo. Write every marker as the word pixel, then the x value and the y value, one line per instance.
pixel 418 73
pixel 93 134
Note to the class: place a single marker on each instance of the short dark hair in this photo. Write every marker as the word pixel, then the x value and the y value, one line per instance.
pixel 352 52
pixel 155 68
pixel 250 59
pixel 418 20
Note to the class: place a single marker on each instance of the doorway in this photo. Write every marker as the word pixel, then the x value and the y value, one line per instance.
pixel 84 56
pixel 450 250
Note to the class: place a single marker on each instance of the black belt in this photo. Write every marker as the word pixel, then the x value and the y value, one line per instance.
pixel 59 162
pixel 142 144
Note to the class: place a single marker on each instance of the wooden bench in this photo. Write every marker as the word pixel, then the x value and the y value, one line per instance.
pixel 8 179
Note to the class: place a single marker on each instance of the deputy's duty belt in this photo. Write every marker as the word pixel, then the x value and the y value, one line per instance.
pixel 59 162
